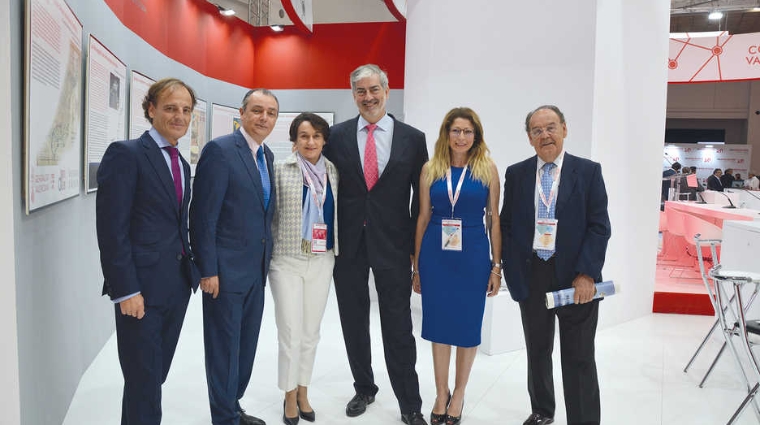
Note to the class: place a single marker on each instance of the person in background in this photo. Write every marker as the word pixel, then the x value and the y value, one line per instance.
pixel 727 179
pixel 714 181
pixel 230 229
pixel 305 246
pixel 668 177
pixel 379 160
pixel 555 228
pixel 752 183
pixel 141 221
pixel 453 265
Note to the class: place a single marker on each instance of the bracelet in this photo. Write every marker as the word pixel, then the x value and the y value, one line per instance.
pixel 495 274
pixel 415 272
pixel 497 265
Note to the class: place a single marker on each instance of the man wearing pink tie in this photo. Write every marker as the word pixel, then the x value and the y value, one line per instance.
pixel 379 160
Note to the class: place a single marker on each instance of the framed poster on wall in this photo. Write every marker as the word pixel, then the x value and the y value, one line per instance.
pixel 138 88
pixel 224 120
pixel 105 121
pixel 53 93
pixel 193 142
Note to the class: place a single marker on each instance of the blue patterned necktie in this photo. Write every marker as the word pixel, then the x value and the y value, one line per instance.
pixel 265 184
pixel 543 211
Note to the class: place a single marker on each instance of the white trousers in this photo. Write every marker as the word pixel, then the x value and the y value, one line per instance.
pixel 300 286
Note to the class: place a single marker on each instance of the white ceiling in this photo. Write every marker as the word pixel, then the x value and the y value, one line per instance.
pixel 686 15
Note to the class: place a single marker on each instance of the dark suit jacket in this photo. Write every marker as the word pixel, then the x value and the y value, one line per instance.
pixel 666 184
pixel 583 229
pixel 390 225
pixel 141 229
pixel 230 231
pixel 726 180
pixel 713 183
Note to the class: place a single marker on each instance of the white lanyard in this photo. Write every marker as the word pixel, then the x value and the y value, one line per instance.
pixel 310 182
pixel 552 192
pixel 453 198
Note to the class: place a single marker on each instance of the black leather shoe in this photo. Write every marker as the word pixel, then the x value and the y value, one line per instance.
pixel 307 416
pixel 358 404
pixel 285 419
pixel 538 419
pixel 246 419
pixel 414 418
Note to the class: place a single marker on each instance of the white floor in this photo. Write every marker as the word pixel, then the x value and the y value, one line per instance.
pixel 640 366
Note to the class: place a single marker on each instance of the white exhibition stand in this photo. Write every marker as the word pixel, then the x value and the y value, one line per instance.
pixel 502 325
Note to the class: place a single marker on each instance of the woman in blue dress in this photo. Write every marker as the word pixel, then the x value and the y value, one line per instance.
pixel 454 269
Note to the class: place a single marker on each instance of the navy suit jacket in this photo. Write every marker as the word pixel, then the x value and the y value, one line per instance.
pixel 230 230
pixel 390 225
pixel 142 231
pixel 583 229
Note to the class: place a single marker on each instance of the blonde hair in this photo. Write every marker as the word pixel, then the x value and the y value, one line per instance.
pixel 478 157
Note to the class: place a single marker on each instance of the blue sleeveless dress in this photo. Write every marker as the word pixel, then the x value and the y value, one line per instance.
pixel 454 283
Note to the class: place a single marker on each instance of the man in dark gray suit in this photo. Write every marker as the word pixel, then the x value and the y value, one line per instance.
pixel 379 160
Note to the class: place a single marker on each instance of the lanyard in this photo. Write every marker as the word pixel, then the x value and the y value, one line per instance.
pixel 310 182
pixel 552 192
pixel 453 198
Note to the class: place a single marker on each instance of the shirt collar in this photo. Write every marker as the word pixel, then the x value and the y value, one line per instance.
pixel 557 161
pixel 384 124
pixel 158 138
pixel 252 143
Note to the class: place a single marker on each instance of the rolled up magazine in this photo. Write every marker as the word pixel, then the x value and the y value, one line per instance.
pixel 565 296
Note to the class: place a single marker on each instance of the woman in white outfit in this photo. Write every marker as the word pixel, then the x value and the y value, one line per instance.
pixel 305 246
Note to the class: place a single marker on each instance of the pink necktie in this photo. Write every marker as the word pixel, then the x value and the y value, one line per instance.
pixel 370 158
pixel 176 174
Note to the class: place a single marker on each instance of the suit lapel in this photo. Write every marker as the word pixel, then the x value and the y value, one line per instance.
pixel 352 149
pixel 398 146
pixel 528 185
pixel 186 194
pixel 567 182
pixel 246 155
pixel 157 160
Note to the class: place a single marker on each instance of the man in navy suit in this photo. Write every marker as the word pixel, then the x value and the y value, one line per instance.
pixel 379 160
pixel 230 230
pixel 555 229
pixel 141 214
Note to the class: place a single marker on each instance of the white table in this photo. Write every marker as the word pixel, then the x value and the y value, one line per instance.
pixel 740 250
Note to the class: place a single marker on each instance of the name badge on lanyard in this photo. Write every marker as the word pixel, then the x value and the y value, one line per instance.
pixel 318 238
pixel 318 230
pixel 545 234
pixel 451 229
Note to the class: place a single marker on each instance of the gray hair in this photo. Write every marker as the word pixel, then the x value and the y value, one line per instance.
pixel 368 70
pixel 549 107
pixel 263 91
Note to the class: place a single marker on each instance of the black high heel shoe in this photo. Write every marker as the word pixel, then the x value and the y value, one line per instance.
pixel 454 420
pixel 286 420
pixel 439 419
pixel 307 416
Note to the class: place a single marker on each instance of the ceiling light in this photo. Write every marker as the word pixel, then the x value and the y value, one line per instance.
pixel 755 9
pixel 224 11
pixel 714 16
pixel 277 28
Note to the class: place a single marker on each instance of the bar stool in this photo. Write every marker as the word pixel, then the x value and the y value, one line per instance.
pixel 739 327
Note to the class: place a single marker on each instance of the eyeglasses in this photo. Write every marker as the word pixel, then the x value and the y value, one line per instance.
pixel 456 132
pixel 538 131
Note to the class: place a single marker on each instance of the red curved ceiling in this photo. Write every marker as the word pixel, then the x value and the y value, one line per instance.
pixel 193 33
